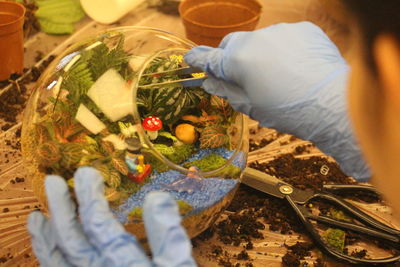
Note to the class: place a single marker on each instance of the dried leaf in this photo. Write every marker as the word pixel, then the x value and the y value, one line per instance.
pixel 213 137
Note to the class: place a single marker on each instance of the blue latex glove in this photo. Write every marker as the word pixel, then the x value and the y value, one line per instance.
pixel 290 77
pixel 97 239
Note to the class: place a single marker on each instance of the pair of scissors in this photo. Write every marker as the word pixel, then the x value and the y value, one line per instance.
pixel 299 199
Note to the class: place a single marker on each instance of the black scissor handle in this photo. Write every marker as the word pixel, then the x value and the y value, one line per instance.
pixel 344 187
pixel 301 212
pixel 357 213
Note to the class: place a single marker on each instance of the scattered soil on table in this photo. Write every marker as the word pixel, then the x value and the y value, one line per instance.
pixel 304 174
pixel 252 211
pixel 255 145
pixel 297 253
pixel 13 100
pixel 31 24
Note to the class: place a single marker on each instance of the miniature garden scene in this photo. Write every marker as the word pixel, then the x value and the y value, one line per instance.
pixel 87 115
pixel 85 92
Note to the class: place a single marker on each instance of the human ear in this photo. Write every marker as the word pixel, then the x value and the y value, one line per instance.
pixel 387 57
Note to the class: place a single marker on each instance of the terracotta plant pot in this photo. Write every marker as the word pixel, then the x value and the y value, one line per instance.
pixel 208 21
pixel 11 39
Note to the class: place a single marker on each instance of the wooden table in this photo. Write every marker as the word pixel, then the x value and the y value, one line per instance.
pixel 16 197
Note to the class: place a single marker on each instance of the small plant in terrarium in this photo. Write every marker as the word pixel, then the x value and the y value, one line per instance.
pixel 95 109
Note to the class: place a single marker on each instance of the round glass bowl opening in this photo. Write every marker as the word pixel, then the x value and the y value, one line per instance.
pixel 93 107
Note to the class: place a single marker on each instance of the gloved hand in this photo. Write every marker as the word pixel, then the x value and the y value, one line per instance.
pixel 290 77
pixel 97 239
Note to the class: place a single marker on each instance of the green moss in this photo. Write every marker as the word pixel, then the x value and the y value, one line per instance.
pixel 136 213
pixel 335 238
pixel 338 214
pixel 183 206
pixel 212 162
pixel 176 154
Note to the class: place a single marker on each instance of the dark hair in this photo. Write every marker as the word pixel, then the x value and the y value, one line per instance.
pixel 375 17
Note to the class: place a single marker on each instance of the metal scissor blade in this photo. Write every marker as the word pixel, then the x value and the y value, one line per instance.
pixel 178 71
pixel 263 182
pixel 190 82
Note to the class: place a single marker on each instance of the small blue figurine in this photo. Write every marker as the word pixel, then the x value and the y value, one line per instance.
pixel 192 182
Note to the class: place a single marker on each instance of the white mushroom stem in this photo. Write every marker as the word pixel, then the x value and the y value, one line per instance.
pixel 152 134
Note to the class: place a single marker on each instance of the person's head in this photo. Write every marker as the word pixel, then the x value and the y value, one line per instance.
pixel 375 88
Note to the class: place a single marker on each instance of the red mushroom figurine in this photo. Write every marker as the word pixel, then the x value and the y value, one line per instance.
pixel 152 124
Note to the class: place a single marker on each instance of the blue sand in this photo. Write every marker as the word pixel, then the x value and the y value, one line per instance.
pixel 212 190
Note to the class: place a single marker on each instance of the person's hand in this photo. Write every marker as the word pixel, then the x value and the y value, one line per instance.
pixel 290 77
pixel 97 239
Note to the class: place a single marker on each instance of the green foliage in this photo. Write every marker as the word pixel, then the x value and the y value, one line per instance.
pixel 58 16
pixel 221 106
pixel 338 214
pixel 183 206
pixel 167 103
pixel 78 80
pixel 107 147
pixel 127 187
pixel 50 27
pixel 176 154
pixel 335 238
pixel 103 59
pixel 168 135
pixel 114 179
pixel 41 133
pixel 71 154
pixel 213 162
pixel 156 163
pixel 63 12
pixel 48 153
pixel 110 176
pixel 120 165
pixel 136 213
pixel 213 136
pixel 91 65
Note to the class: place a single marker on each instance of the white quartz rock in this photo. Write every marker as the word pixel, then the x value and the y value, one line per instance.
pixel 112 95
pixel 85 117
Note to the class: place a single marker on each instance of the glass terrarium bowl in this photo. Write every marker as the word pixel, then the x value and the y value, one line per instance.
pixel 92 107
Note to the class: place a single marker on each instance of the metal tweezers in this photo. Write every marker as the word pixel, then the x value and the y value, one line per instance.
pixel 186 82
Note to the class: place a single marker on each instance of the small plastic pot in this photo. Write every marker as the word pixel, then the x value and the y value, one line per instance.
pixel 11 39
pixel 108 11
pixel 208 21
